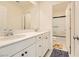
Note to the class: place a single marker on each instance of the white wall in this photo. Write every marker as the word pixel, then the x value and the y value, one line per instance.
pixel 46 18
pixel 59 9
pixel 35 17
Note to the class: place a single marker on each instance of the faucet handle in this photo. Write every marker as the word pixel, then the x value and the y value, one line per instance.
pixel 4 29
pixel 10 29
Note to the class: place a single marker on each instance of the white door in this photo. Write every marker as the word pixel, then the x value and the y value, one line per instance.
pixel 76 29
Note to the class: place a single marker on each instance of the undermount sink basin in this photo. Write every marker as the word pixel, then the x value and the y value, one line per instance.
pixel 11 37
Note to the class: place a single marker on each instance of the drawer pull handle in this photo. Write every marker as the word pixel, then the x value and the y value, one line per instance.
pixel 39 37
pixel 25 52
pixel 39 45
pixel 22 54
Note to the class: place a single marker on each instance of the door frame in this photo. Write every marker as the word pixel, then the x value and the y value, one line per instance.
pixel 68 27
pixel 71 46
pixel 72 28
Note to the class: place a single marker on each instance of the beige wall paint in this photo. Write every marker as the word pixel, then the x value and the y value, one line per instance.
pixel 59 9
pixel 45 16
pixel 35 17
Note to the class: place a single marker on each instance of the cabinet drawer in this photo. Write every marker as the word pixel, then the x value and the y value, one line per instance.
pixel 27 52
pixel 16 47
pixel 31 51
pixel 39 49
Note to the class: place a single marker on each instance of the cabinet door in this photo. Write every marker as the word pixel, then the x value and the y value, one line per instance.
pixel 19 54
pixel 30 51
pixel 39 49
pixel 39 46
pixel 42 44
pixel 14 48
pixel 27 52
pixel 47 38
pixel 45 42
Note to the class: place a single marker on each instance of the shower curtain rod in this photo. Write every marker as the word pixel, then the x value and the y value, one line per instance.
pixel 59 17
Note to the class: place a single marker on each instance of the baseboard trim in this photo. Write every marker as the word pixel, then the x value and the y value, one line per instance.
pixel 46 53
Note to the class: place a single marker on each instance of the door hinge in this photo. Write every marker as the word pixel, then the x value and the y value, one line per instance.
pixel 70 49
pixel 75 37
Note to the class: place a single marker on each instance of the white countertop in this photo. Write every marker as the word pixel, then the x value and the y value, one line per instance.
pixel 4 42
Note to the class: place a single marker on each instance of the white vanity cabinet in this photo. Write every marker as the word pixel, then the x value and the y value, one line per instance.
pixel 47 39
pixel 35 46
pixel 45 43
pixel 42 44
pixel 38 49
pixel 13 48
pixel 39 46
pixel 27 52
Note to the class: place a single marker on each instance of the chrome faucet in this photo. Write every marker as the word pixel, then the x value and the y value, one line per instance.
pixel 8 32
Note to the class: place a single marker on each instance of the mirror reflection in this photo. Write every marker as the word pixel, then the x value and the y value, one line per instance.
pixel 18 15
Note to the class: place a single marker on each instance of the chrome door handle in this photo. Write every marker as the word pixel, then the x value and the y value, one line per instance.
pixel 39 45
pixel 75 37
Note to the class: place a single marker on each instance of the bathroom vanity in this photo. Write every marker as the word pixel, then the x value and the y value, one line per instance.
pixel 30 44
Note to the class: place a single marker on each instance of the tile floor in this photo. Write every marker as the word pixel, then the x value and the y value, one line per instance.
pixel 59 40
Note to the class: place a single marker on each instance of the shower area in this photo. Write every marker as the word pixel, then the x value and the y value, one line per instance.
pixel 59 25
pixel 59 29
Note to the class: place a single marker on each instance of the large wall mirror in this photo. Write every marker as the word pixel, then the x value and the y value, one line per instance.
pixel 17 15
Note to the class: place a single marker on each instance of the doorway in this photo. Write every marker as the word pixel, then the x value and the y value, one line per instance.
pixel 62 26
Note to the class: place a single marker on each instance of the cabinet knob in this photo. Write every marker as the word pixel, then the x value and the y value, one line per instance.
pixel 39 37
pixel 25 52
pixel 39 45
pixel 22 54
